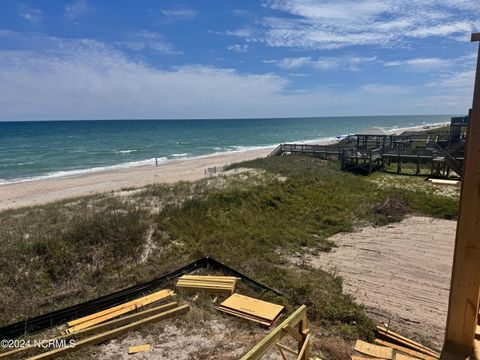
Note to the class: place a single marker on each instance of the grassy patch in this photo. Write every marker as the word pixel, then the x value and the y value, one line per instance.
pixel 71 251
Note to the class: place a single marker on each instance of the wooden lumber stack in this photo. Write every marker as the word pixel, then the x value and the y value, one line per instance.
pixel 110 334
pixel 403 344
pixel 390 345
pixel 208 284
pixel 113 312
pixel 260 311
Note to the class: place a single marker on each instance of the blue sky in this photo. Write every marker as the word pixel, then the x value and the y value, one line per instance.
pixel 88 59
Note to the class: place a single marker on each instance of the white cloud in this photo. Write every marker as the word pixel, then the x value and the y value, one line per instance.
pixel 149 40
pixel 87 79
pixel 74 10
pixel 325 63
pixel 31 14
pixel 239 48
pixel 460 80
pixel 420 64
pixel 331 24
pixel 180 13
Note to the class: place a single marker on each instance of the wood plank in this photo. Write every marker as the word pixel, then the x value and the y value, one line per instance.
pixel 406 341
pixel 304 348
pixel 465 283
pixel 111 334
pixel 139 348
pixel 355 357
pixel 275 335
pixel 406 350
pixel 287 349
pixel 252 306
pixel 245 316
pixel 98 328
pixel 381 352
pixel 400 356
pixel 445 182
pixel 157 295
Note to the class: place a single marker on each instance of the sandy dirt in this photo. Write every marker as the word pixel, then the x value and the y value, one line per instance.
pixel 44 191
pixel 400 272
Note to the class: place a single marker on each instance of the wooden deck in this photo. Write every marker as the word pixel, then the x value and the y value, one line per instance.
pixel 433 161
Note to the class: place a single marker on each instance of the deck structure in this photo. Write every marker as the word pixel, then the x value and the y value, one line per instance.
pixel 437 155
pixel 434 160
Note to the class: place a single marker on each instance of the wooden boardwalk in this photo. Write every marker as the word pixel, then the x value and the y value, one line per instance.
pixel 433 161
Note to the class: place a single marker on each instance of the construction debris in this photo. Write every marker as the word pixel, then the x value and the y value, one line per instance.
pixel 105 315
pixel 381 352
pixel 260 311
pixel 389 335
pixel 139 348
pixel 96 339
pixel 209 284
pixel 124 320
pixel 394 346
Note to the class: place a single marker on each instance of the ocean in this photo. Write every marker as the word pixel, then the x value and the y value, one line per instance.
pixel 45 149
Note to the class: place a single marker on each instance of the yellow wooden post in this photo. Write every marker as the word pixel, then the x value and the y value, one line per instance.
pixel 465 283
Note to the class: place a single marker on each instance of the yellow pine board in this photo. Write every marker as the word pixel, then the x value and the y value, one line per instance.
pixel 381 352
pixel 400 356
pixel 139 348
pixel 98 328
pixel 245 316
pixel 111 313
pixel 182 284
pixel 252 306
pixel 209 277
pixel 57 352
pixel 406 341
pixel 406 350
pixel 275 335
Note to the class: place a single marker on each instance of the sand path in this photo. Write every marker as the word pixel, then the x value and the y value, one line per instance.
pixel 401 272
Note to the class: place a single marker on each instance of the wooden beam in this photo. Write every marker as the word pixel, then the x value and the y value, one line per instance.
pixel 465 282
pixel 406 341
pixel 475 37
pixel 275 335
pixel 304 349
pixel 405 350
pixel 118 310
pixel 97 328
pixel 110 334
pixel 376 351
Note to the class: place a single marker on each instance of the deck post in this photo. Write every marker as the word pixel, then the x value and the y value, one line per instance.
pixel 399 166
pixel 465 284
pixel 418 163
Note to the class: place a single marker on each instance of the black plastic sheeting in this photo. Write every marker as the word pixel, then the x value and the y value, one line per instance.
pixel 61 316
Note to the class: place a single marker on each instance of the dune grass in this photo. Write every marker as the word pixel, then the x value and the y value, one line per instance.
pixel 71 251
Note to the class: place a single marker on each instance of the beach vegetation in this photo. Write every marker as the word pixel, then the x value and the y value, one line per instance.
pixel 74 250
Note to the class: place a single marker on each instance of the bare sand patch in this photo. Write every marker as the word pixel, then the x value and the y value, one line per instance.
pixel 400 272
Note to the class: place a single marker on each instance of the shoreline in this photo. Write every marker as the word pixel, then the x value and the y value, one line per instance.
pixel 45 190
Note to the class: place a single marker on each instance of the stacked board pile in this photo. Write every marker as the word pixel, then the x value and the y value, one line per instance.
pixel 390 345
pixel 256 310
pixel 209 284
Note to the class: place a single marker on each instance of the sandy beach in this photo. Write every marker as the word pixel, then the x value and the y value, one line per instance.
pixel 39 192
